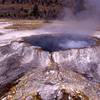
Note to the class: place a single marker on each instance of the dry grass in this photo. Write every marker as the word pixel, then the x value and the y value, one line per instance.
pixel 15 5
pixel 25 24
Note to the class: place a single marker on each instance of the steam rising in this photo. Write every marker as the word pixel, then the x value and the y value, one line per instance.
pixel 85 23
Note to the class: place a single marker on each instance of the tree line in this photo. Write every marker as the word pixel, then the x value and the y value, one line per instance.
pixel 43 8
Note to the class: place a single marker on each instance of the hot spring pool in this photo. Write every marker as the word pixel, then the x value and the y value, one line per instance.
pixel 58 42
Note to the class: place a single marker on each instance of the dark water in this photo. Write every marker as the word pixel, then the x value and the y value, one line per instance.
pixel 58 42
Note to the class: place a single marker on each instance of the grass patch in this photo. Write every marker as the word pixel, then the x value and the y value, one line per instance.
pixel 25 24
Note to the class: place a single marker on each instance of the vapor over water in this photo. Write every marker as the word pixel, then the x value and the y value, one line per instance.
pixel 85 22
pixel 76 26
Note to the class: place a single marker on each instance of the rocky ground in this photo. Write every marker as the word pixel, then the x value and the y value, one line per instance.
pixel 28 72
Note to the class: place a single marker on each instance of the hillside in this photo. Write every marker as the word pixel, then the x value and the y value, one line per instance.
pixel 46 9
